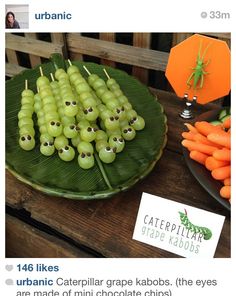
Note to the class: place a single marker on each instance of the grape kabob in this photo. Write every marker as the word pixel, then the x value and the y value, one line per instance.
pixel 25 121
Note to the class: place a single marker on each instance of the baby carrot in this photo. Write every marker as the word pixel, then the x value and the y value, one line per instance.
pixel 188 135
pixel 191 128
pixel 222 154
pixel 198 156
pixel 221 173
pixel 225 192
pixel 205 128
pixel 221 138
pixel 203 139
pixel 211 163
pixel 227 182
pixel 227 122
pixel 190 145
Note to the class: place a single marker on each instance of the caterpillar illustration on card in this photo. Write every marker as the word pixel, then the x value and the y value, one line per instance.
pixel 206 232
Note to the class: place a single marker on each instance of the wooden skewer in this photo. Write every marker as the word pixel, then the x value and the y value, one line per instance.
pixel 26 84
pixel 86 70
pixel 41 71
pixel 69 61
pixel 52 77
pixel 106 73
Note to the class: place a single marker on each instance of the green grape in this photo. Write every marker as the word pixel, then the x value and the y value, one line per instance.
pixel 100 91
pixel 118 93
pixel 101 135
pixel 42 81
pixel 80 115
pixel 112 104
pixel 92 78
pixel 60 142
pixel 48 100
pixel 98 83
pixel 111 82
pixel 107 154
pixel 47 148
pixel 101 108
pixel 27 142
pixel 123 123
pixel 113 132
pixel 27 129
pixel 85 147
pixel 127 106
pixel 88 134
pixel 85 95
pixel 82 87
pixel 27 100
pixel 83 124
pixel 79 80
pixel 91 113
pixel 66 120
pixel 107 96
pixel 86 160
pixel 70 108
pixel 25 120
pixel 27 93
pixel 74 77
pixel 101 144
pixel 72 69
pixel 60 74
pixel 128 133
pixel 76 140
pixel 130 114
pixel 51 116
pixel 24 113
pixel 71 131
pixel 89 102
pixel 46 138
pixel 112 123
pixel 48 108
pixel 43 129
pixel 37 107
pixel 54 128
pixel 66 153
pixel 106 114
pixel 122 99
pixel 116 141
pixel 137 123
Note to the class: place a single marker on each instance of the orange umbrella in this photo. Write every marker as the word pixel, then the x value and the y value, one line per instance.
pixel 200 66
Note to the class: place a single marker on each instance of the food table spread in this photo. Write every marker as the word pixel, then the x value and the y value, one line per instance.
pixel 39 225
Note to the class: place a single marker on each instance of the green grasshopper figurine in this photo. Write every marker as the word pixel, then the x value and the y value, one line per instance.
pixel 199 71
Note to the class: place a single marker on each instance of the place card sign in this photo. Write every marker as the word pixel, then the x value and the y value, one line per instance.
pixel 177 228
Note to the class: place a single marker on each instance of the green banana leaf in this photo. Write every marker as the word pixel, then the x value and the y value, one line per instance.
pixel 55 177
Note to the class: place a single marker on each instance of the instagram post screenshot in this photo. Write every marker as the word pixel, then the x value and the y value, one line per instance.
pixel 117 163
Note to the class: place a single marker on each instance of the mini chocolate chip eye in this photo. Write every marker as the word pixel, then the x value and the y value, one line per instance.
pixel 61 151
pixel 89 129
pixel 22 138
pixel 83 155
pixel 52 123
pixel 114 149
pixel 66 148
pixel 122 108
pixel 131 121
pixel 121 140
pixel 116 117
pixel 129 129
pixel 90 109
pixel 108 148
pixel 74 103
pixel 45 144
pixel 58 124
pixel 95 129
pixel 67 103
pixel 29 137
pixel 50 143
pixel 77 128
pixel 112 118
pixel 115 139
pixel 72 126
pixel 88 154
pixel 125 131
pixel 118 111
pixel 85 111
pixel 135 118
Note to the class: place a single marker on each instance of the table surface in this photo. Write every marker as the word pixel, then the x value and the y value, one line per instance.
pixel 38 225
